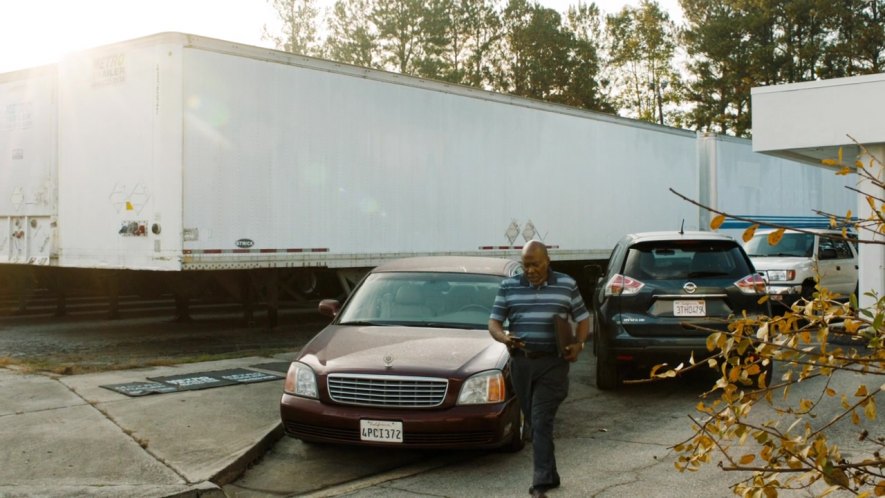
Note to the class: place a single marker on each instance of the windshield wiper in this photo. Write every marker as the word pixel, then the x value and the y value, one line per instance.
pixel 446 325
pixel 366 322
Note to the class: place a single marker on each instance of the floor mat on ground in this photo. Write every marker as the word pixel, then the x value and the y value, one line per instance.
pixel 193 381
pixel 141 388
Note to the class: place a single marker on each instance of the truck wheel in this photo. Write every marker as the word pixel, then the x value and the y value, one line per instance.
pixel 607 375
pixel 807 290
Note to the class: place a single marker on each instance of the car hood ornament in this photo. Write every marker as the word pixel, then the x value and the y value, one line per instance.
pixel 690 287
pixel 388 360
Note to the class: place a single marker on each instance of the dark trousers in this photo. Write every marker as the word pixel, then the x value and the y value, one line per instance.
pixel 541 384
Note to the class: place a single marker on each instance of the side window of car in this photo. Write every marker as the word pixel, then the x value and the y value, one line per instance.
pixel 843 251
pixel 826 249
pixel 612 262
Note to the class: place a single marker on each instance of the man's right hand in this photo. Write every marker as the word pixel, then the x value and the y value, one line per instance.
pixel 514 343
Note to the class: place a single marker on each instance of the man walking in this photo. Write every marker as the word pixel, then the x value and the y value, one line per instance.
pixel 539 374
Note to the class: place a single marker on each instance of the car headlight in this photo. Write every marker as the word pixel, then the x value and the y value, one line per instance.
pixel 781 275
pixel 482 388
pixel 301 381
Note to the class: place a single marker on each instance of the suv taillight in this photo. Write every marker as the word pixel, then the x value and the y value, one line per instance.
pixel 752 284
pixel 620 285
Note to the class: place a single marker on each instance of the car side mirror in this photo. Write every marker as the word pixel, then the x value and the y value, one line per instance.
pixel 827 253
pixel 592 273
pixel 329 307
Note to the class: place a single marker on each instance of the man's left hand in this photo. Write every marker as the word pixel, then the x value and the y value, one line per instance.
pixel 572 351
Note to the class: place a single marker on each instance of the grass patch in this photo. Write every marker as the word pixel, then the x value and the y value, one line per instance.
pixel 67 365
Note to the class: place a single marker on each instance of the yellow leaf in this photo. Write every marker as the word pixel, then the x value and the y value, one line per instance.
pixel 880 488
pixel 749 232
pixel 831 392
pixel 711 342
pixel 858 164
pixel 775 237
pixel 848 215
pixel 746 459
pixel 717 222
pixel 870 410
pixel 840 154
pixel 829 162
pixel 871 202
pixel 861 391
pixel 832 222
pixel 855 419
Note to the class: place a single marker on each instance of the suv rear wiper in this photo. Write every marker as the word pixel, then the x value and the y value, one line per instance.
pixel 696 274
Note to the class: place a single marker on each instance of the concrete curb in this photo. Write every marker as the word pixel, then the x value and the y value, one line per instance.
pixel 233 471
pixel 200 490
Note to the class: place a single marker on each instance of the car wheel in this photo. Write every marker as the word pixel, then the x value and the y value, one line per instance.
pixel 607 372
pixel 517 438
pixel 807 290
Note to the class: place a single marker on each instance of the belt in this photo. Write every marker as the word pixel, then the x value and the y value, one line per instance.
pixel 522 353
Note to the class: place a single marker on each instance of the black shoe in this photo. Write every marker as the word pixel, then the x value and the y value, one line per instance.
pixel 538 492
pixel 543 488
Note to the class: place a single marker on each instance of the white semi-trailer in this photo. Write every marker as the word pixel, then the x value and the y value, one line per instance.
pixel 181 155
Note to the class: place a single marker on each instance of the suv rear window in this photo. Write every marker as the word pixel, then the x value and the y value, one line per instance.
pixel 681 259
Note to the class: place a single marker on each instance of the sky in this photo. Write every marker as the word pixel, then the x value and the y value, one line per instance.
pixel 37 32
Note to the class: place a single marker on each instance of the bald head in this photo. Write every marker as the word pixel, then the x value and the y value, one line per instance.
pixel 535 262
pixel 535 246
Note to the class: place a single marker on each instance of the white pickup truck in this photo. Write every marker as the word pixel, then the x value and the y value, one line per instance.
pixel 792 265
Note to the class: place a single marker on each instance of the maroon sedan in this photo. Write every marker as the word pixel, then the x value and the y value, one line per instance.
pixel 408 361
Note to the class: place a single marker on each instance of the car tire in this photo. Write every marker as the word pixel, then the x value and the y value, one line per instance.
pixel 807 290
pixel 607 372
pixel 517 439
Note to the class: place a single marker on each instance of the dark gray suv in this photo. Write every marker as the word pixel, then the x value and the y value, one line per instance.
pixel 657 285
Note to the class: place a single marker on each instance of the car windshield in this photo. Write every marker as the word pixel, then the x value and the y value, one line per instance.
pixel 682 259
pixel 800 245
pixel 423 299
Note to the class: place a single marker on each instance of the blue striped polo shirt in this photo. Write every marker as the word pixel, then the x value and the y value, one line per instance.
pixel 530 309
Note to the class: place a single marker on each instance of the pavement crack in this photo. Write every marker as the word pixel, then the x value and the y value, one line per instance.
pixel 413 492
pixel 140 442
pixel 635 474
pixel 41 410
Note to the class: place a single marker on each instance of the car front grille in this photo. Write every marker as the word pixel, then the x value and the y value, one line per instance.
pixel 387 390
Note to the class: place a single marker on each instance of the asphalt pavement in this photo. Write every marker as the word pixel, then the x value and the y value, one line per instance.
pixel 66 436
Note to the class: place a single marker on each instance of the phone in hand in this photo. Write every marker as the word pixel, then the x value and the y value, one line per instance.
pixel 517 343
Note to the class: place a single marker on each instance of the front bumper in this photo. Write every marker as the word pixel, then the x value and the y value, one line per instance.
pixel 457 427
pixel 785 294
